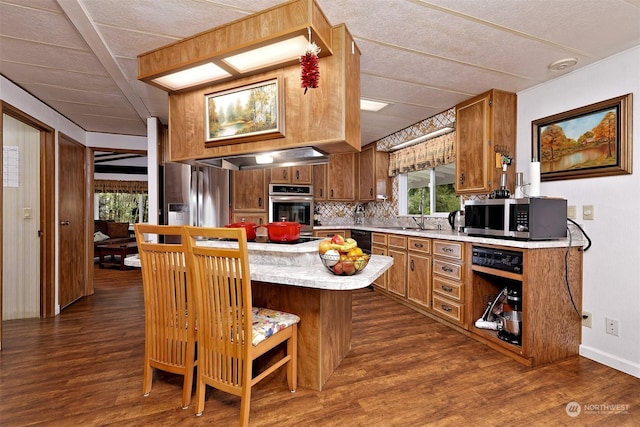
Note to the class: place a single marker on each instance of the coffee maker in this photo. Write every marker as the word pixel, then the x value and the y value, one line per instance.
pixel 510 328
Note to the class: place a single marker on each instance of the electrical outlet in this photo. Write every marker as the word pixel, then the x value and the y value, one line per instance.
pixel 586 319
pixel 612 326
pixel 571 212
pixel 587 212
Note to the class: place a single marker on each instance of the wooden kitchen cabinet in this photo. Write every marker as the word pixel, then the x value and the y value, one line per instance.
pixel 373 168
pixel 551 324
pixel 320 183
pixel 249 191
pixel 397 274
pixel 379 247
pixel 448 281
pixel 291 175
pixel 485 125
pixel 341 177
pixel 419 271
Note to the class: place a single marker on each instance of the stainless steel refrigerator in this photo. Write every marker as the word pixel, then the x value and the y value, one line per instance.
pixel 194 195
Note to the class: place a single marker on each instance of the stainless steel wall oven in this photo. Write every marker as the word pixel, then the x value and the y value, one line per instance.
pixel 294 203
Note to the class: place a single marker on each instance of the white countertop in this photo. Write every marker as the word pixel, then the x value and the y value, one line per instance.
pixel 297 265
pixel 460 237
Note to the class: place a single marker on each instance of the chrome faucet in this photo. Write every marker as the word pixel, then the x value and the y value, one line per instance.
pixel 421 209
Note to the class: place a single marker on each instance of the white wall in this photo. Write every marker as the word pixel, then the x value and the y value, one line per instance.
pixel 611 273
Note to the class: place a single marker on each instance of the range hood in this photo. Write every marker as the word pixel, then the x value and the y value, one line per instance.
pixel 282 158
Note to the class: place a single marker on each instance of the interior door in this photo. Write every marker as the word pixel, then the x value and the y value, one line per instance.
pixel 71 226
pixel 20 220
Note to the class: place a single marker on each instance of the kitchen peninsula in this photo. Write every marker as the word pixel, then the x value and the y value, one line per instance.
pixel 292 278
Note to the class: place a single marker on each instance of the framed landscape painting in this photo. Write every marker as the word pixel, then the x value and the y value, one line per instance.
pixel 590 141
pixel 246 113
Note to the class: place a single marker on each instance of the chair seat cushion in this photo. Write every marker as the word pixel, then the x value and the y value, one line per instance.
pixel 267 322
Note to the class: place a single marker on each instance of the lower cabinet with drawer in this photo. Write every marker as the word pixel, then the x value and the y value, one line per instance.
pixel 448 281
pixel 419 271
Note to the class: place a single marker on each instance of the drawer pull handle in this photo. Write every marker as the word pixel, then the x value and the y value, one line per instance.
pixel 418 245
pixel 448 250
pixel 446 308
pixel 447 288
pixel 447 269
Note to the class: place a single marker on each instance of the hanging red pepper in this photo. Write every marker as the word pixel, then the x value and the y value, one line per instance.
pixel 310 71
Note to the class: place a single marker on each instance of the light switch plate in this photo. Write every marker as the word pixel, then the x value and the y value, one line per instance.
pixel 587 212
pixel 571 212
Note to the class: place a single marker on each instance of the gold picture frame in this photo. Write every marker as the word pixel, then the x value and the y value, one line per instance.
pixel 251 112
pixel 590 141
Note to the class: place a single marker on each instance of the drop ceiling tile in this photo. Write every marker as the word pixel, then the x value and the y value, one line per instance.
pixel 45 26
pixel 435 72
pixel 178 18
pixel 573 24
pixel 51 57
pixel 25 74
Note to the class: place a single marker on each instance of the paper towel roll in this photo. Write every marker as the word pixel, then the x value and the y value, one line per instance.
pixel 534 179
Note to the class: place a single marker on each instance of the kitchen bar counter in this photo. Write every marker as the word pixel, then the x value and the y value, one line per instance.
pixel 291 277
pixel 448 234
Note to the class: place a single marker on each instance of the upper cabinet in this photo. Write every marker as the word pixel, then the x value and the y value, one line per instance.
pixel 327 118
pixel 373 176
pixel 341 179
pixel 485 126
pixel 320 183
pixel 249 191
pixel 292 175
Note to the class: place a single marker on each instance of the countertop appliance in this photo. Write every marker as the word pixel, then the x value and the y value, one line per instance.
pixel 531 218
pixel 294 203
pixel 456 220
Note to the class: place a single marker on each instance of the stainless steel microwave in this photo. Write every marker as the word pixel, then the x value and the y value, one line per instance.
pixel 533 218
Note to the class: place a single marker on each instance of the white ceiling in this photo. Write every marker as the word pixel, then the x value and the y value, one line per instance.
pixel 80 56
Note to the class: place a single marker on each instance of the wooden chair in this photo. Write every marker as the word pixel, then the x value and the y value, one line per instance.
pixel 170 326
pixel 222 288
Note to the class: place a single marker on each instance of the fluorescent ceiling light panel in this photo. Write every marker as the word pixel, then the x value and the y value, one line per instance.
pixel 370 105
pixel 266 56
pixel 193 76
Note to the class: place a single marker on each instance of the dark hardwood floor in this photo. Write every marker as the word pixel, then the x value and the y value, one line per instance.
pixel 84 368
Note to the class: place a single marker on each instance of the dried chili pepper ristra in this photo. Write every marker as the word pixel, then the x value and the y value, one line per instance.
pixel 310 70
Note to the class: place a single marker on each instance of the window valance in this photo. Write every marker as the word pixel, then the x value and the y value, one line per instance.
pixel 113 186
pixel 426 155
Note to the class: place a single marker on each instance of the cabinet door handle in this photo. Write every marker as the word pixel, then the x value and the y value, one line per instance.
pixel 462 178
pixel 371 192
pixel 446 308
pixel 321 192
pixel 284 173
pixel 331 192
pixel 259 202
pixel 297 175
pixel 412 265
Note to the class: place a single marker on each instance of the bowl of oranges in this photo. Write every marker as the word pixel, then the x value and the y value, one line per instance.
pixel 342 257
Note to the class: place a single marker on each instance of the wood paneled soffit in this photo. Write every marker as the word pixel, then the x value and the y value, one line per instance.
pixel 284 21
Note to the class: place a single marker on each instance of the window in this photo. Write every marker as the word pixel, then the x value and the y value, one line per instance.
pixel 434 187
pixel 123 207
